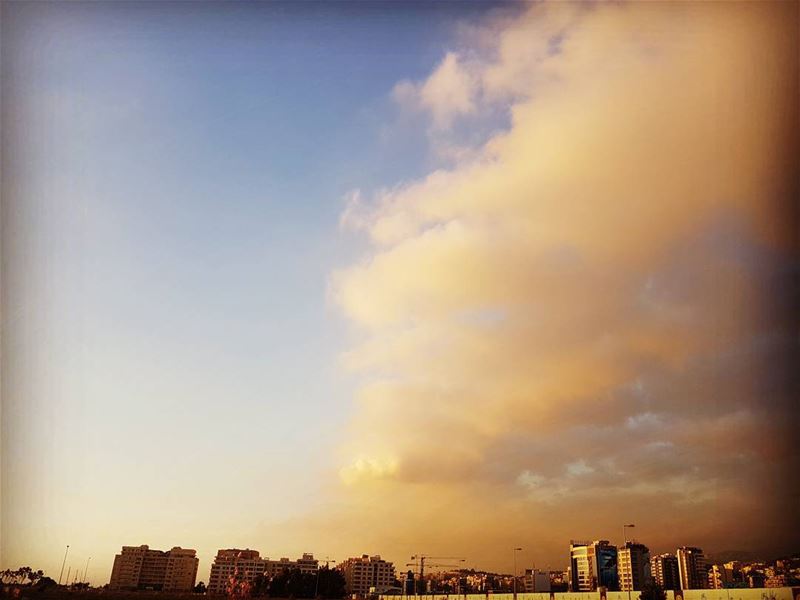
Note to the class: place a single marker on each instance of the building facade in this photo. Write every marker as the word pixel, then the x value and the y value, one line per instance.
pixel 692 568
pixel 232 566
pixel 593 565
pixel 536 580
pixel 235 566
pixel 367 573
pixel 140 568
pixel 720 577
pixel 633 566
pixel 664 569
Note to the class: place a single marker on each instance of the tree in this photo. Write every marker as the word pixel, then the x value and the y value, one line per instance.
pixel 21 576
pixel 200 588
pixel 326 583
pixel 652 591
pixel 331 583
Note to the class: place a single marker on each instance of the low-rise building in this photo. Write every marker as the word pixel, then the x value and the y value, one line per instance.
pixel 536 580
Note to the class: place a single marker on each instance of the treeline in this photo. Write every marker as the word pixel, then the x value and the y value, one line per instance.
pixel 21 576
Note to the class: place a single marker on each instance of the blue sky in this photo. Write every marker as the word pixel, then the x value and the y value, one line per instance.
pixel 183 175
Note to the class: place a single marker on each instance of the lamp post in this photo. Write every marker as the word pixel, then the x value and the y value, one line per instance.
pixel 62 565
pixel 86 569
pixel 316 587
pixel 515 571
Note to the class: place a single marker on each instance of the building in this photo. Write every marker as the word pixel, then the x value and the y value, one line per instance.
pixel 140 568
pixel 633 566
pixel 243 566
pixel 366 574
pixel 407 583
pixel 692 568
pixel 664 569
pixel 536 580
pixel 720 577
pixel 592 566
pixel 307 564
pixel 233 566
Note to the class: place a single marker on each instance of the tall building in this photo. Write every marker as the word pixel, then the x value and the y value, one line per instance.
pixel 692 568
pixel 634 566
pixel 664 569
pixel 363 574
pixel 234 565
pixel 592 566
pixel 140 568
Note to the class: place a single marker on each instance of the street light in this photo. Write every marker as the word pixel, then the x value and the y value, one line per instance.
pixel 515 571
pixel 62 565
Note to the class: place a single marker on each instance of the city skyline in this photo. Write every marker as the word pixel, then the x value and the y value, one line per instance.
pixel 445 277
pixel 176 570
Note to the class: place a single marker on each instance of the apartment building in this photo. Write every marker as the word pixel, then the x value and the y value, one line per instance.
pixel 243 566
pixel 367 573
pixel 233 565
pixel 141 568
pixel 664 569
pixel 633 566
pixel 692 568
pixel 306 564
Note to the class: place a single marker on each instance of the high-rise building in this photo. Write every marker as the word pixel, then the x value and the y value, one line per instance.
pixel 592 566
pixel 692 568
pixel 634 566
pixel 664 569
pixel 365 573
pixel 140 568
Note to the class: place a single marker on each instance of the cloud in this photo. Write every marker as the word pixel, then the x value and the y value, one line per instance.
pixel 447 94
pixel 583 306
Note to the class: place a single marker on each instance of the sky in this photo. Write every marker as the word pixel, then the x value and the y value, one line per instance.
pixel 445 278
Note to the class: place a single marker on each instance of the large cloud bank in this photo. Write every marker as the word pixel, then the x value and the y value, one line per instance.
pixel 581 319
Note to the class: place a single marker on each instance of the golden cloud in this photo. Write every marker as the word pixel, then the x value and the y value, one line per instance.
pixel 577 309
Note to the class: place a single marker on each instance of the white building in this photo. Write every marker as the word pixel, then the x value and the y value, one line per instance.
pixel 367 574
pixel 234 566
pixel 238 566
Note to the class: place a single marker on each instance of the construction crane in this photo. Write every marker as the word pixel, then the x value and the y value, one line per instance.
pixel 422 558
